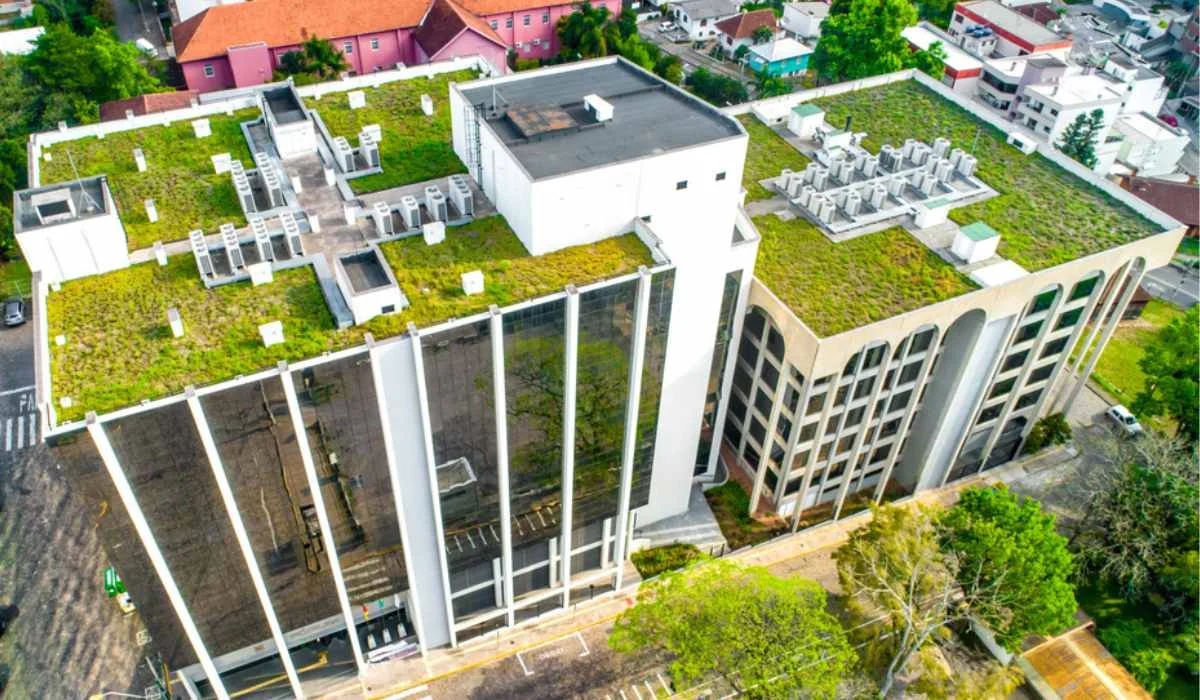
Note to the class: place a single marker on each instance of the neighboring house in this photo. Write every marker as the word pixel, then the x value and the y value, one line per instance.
pixel 1014 34
pixel 12 11
pixel 804 19
pixel 183 10
pixel 699 17
pixel 151 103
pixel 782 57
pixel 1181 200
pixel 241 45
pixel 738 31
pixel 19 42
pixel 1148 146
pixel 962 69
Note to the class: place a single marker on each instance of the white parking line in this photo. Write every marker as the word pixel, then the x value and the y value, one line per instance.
pixel 20 432
pixel 32 430
pixel 16 391
pixel 523 666
pixel 583 644
pixel 663 682
pixel 8 435
pixel 650 687
pixel 637 692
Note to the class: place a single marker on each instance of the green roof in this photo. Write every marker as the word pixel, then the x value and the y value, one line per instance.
pixel 1044 215
pixel 119 349
pixel 807 109
pixel 979 231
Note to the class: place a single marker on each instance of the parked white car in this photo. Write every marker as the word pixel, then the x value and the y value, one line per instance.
pixel 665 27
pixel 145 46
pixel 1126 423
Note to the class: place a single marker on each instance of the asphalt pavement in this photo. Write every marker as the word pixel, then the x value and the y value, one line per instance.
pixel 1180 287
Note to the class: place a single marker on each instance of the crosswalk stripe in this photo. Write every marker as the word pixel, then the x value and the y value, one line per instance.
pixel 20 432
pixel 32 430
pixel 8 435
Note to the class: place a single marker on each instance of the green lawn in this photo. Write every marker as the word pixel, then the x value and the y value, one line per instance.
pixel 14 278
pixel 766 156
pixel 1045 216
pixel 1190 246
pixel 179 175
pixel 119 349
pixel 1118 370
pixel 414 147
pixel 834 287
pixel 1107 607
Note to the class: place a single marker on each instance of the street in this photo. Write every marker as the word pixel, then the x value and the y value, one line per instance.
pixel 137 19
pixel 1179 286
pixel 691 57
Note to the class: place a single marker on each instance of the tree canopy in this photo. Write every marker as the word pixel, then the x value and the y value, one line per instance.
pixel 1172 368
pixel 767 636
pixel 716 88
pixel 590 32
pixel 861 38
pixel 1006 544
pixel 1079 138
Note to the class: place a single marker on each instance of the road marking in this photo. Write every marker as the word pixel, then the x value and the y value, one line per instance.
pixel 523 666
pixel 20 432
pixel 623 696
pixel 8 435
pixel 650 687
pixel 32 431
pixel 16 391
pixel 409 693
pixel 663 682
pixel 583 644
pixel 636 692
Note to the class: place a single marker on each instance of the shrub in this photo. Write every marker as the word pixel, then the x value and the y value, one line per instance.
pixel 1136 646
pixel 1051 430
pixel 657 560
pixel 527 64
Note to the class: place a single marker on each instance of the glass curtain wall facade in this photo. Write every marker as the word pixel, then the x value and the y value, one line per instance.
pixel 658 323
pixel 716 376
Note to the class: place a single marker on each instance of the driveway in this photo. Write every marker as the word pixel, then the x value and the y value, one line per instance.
pixel 1177 286
pixel 16 357
pixel 691 57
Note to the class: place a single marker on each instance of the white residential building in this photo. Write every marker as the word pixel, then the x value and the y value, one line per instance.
pixel 803 19
pixel 699 17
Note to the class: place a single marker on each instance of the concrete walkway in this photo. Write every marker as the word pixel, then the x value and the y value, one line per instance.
pixel 697 526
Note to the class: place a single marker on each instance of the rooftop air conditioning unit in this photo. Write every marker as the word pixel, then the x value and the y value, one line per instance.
pixel 851 205
pixel 825 215
pixel 956 155
pixel 887 157
pixel 382 214
pixel 878 194
pixel 820 179
pixel 369 149
pixel 907 151
pixel 600 109
pixel 928 180
pixel 343 154
pixel 870 166
pixel 262 239
pixel 795 182
pixel 814 203
pixel 435 203
pixel 966 166
pixel 806 195
pixel 940 146
pixel 291 233
pixel 461 195
pixel 895 186
pixel 944 170
pixel 410 211
pixel 810 170
pixel 232 248
pixel 200 251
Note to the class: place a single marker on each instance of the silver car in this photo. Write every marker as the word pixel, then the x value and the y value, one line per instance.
pixel 14 312
pixel 1125 421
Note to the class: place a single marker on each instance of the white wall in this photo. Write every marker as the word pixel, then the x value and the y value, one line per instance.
pixel 800 23
pixel 294 140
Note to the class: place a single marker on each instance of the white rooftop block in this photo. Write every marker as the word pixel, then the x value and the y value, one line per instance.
pixel 151 211
pixel 358 99
pixel 175 322
pixel 202 128
pixel 260 273
pixel 1002 272
pixel 272 333
pixel 221 163
pixel 434 233
pixel 139 157
pixel 599 107
pixel 472 282
pixel 427 105
pixel 375 131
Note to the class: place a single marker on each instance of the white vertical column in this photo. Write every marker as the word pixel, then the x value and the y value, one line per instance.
pixel 633 400
pixel 242 537
pixel 314 486
pixel 909 410
pixel 1132 279
pixel 1107 296
pixel 570 377
pixel 501 406
pixel 431 465
pixel 394 478
pixel 142 526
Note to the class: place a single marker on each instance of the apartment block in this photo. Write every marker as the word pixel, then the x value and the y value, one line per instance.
pixel 989 27
pixel 413 415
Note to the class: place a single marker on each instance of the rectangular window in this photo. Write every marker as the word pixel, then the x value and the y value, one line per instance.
pixel 525 20
pixel 508 23
pixel 374 44
pixel 910 372
pixel 1014 361
pixel 546 18
pixel 855 416
pixel 840 397
pixel 900 401
pixel 1043 301
pixel 495 24
pixel 807 431
pixel 1053 348
pixel 1002 388
pixel 1028 399
pixel 757 431
pixel 1041 373
pixel 763 403
pixel 737 408
pixel 784 428
pixel 770 375
pixel 1084 288
pixel 791 398
pixel 720 176
pixel 815 404
pixel 922 341
pixel 208 70
pixel 1028 332
pixel 990 413
pixel 880 454
pixel 681 185
pixel 1068 319
pixel 864 388
pixel 348 46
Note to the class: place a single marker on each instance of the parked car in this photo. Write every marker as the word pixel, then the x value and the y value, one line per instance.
pixel 14 312
pixel 1124 420
pixel 145 46
pixel 665 27
pixel 1169 119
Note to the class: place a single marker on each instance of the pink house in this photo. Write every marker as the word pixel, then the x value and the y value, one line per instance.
pixel 241 45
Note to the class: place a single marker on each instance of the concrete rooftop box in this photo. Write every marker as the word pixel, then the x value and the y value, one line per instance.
pixel 804 120
pixel 70 230
pixel 367 283
pixel 975 242
pixel 289 122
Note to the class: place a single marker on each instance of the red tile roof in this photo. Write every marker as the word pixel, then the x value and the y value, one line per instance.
pixel 1180 200
pixel 445 21
pixel 147 104
pixel 743 26
pixel 289 22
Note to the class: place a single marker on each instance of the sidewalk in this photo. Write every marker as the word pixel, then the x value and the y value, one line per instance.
pixel 439 663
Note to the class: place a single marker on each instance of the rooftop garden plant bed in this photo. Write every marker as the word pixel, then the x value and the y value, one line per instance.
pixel 766 156
pixel 834 287
pixel 415 147
pixel 1045 215
pixel 731 507
pixel 119 348
pixel 653 561
pixel 179 175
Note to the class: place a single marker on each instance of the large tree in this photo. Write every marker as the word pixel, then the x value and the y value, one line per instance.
pixel 584 33
pixel 1172 368
pixel 77 73
pixel 717 89
pixel 1005 543
pixel 861 38
pixel 768 637
pixel 1079 139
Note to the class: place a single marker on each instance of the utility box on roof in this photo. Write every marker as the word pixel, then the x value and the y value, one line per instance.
pixel 975 242
pixel 804 119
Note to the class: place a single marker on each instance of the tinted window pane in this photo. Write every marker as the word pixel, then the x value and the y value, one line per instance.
pixel 662 291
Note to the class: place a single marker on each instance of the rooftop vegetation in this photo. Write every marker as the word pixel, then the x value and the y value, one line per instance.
pixel 119 348
pixel 834 287
pixel 179 175
pixel 415 147
pixel 766 156
pixel 1045 215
